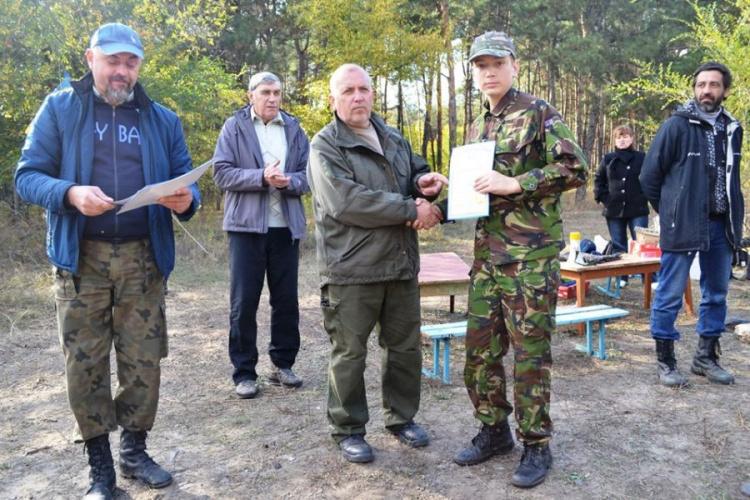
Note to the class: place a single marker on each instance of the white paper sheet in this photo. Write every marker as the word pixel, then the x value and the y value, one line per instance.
pixel 467 163
pixel 149 194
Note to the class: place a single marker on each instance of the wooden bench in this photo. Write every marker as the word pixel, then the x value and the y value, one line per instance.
pixel 441 335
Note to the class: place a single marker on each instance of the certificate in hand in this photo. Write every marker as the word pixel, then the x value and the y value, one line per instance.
pixel 148 195
pixel 467 163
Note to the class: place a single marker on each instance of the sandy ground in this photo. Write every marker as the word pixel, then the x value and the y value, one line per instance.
pixel 617 433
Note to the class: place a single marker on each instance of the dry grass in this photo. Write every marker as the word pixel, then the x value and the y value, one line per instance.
pixel 618 434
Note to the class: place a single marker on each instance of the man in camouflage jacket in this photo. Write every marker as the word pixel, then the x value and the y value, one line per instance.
pixel 514 279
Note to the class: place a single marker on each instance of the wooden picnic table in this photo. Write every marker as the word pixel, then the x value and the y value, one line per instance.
pixel 629 264
pixel 443 273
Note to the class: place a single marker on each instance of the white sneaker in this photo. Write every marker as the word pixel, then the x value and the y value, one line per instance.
pixel 654 286
pixel 623 283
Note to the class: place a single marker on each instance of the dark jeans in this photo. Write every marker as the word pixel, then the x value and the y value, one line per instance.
pixel 716 267
pixel 253 257
pixel 618 231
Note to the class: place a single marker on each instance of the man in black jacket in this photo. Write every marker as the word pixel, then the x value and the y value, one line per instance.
pixel 691 176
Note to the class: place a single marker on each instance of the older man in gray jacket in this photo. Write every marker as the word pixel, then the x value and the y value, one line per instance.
pixel 369 192
pixel 260 162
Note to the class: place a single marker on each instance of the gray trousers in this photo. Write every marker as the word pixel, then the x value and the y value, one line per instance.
pixel 350 313
pixel 117 298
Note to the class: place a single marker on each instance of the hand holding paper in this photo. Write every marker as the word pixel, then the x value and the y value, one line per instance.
pixel 89 200
pixel 496 183
pixel 168 191
pixel 179 201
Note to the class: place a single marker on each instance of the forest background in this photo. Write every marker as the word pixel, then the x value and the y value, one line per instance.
pixel 600 62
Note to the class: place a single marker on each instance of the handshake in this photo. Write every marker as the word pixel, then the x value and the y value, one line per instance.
pixel 428 215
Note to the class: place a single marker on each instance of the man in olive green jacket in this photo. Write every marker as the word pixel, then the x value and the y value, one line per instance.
pixel 370 193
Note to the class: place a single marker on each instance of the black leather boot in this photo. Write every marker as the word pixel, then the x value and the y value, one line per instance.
pixel 706 362
pixel 535 463
pixel 492 440
pixel 102 474
pixel 135 462
pixel 669 374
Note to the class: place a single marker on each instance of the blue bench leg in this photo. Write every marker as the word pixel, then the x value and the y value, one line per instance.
pixel 589 347
pixel 435 360
pixel 446 361
pixel 602 330
pixel 607 290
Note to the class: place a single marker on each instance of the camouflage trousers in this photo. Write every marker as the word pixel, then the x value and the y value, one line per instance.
pixel 512 304
pixel 117 298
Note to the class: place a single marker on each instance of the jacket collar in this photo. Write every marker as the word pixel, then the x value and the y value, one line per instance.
pixel 246 114
pixel 507 99
pixel 689 110
pixel 625 154
pixel 345 138
pixel 85 86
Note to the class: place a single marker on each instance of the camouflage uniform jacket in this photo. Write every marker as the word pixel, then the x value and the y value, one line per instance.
pixel 532 144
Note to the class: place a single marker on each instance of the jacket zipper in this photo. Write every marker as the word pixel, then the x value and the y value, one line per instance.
pixel 729 231
pixel 79 227
pixel 674 210
pixel 114 163
pixel 394 186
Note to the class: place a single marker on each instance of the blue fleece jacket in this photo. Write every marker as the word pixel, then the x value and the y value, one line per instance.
pixel 59 152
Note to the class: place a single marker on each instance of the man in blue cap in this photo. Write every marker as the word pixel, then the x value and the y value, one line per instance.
pixel 100 140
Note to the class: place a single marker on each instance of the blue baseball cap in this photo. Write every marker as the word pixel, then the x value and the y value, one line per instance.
pixel 114 38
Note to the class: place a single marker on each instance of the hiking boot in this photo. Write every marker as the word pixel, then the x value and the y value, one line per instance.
pixel 102 477
pixel 285 377
pixel 135 462
pixel 411 434
pixel 356 449
pixel 535 463
pixel 668 372
pixel 706 362
pixel 246 389
pixel 492 440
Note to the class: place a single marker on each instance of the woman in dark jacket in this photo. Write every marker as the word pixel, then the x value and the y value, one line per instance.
pixel 616 186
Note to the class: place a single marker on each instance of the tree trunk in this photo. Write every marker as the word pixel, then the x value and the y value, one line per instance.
pixel 468 104
pixel 439 95
pixel 400 108
pixel 303 67
pixel 427 133
pixel 452 111
pixel 551 84
pixel 590 137
pixel 384 101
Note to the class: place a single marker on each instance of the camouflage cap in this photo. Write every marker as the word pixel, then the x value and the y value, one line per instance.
pixel 492 43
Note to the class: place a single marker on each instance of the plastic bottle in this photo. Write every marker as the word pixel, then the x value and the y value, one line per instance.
pixel 575 246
